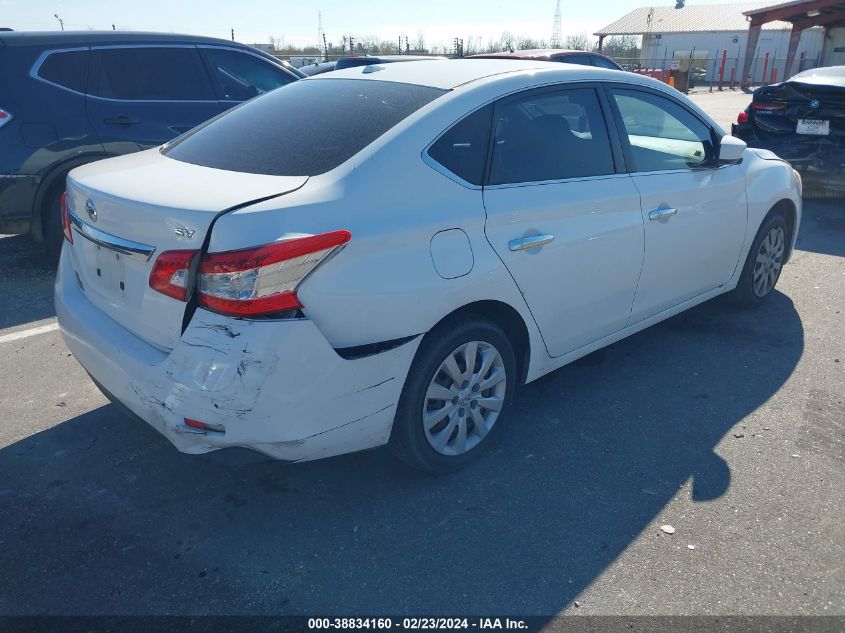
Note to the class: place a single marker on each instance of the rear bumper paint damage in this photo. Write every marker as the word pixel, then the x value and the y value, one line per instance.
pixel 275 387
pixel 819 159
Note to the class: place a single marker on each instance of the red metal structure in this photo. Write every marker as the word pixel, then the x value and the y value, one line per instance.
pixel 802 14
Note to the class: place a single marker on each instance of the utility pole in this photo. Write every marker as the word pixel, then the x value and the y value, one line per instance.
pixel 233 35
pixel 61 23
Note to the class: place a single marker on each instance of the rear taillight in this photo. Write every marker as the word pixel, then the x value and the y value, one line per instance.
pixel 262 280
pixel 170 273
pixel 765 105
pixel 742 117
pixel 65 218
pixel 5 117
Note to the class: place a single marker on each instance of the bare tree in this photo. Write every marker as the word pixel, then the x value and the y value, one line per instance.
pixel 506 42
pixel 621 47
pixel 579 42
pixel 419 43
pixel 523 43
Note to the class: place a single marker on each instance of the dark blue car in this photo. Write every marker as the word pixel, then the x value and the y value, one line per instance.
pixel 72 98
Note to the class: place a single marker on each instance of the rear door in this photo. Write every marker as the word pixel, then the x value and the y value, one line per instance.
pixel 143 96
pixel 561 216
pixel 695 209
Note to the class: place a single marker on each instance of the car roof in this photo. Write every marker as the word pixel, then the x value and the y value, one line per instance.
pixel 70 38
pixel 532 53
pixel 445 73
pixel 393 58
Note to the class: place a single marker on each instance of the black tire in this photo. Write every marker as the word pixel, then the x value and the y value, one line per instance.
pixel 408 440
pixel 744 295
pixel 51 222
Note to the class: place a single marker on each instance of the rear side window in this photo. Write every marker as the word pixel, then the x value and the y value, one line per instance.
pixel 309 128
pixel 66 68
pixel 150 74
pixel 601 62
pixel 550 135
pixel 463 149
pixel 583 60
pixel 241 76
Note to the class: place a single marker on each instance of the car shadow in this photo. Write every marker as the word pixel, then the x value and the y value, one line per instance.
pixel 822 227
pixel 101 515
pixel 26 281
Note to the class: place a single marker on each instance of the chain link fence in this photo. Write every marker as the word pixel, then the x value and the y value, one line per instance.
pixel 688 73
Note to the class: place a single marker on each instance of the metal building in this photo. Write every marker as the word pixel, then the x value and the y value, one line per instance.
pixel 700 36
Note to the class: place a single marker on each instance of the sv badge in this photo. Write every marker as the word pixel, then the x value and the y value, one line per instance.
pixel 181 231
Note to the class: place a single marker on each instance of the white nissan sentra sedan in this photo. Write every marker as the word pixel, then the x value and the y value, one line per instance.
pixel 382 255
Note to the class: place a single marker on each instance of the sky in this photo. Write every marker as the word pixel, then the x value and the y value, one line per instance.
pixel 255 21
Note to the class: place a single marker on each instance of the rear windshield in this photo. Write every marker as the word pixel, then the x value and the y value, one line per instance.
pixel 304 129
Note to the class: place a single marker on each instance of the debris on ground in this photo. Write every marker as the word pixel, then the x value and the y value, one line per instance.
pixel 668 529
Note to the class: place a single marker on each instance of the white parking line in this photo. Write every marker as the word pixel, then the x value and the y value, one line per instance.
pixel 33 331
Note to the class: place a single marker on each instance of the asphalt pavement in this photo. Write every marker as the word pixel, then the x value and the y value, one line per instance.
pixel 727 425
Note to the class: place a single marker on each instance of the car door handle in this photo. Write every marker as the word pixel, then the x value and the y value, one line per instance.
pixel 121 120
pixel 661 214
pixel 530 241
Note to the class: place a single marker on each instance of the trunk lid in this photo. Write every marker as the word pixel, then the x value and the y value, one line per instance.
pixel 802 100
pixel 128 210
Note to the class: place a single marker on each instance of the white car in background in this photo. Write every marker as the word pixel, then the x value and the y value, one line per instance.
pixel 382 254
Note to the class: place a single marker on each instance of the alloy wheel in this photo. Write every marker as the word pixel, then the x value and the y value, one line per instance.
pixel 769 261
pixel 464 398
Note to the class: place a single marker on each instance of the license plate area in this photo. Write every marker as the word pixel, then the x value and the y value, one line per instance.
pixel 813 127
pixel 110 270
pixel 110 278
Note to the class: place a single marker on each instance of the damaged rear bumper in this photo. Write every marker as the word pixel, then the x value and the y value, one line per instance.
pixel 277 387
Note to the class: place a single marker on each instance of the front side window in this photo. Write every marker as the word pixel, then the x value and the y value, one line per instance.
pixel 66 68
pixel 463 148
pixel 150 74
pixel 309 128
pixel 550 136
pixel 241 76
pixel 662 134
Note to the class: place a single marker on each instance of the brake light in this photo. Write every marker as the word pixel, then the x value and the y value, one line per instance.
pixel 262 280
pixel 765 105
pixel 5 117
pixel 742 117
pixel 65 218
pixel 170 273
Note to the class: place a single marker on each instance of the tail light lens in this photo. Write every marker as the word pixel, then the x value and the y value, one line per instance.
pixel 742 117
pixel 765 105
pixel 170 273
pixel 262 280
pixel 5 117
pixel 65 218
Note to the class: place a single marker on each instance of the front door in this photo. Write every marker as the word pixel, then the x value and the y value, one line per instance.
pixel 566 224
pixel 694 209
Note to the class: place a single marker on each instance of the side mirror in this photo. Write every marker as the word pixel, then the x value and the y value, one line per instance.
pixel 731 149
